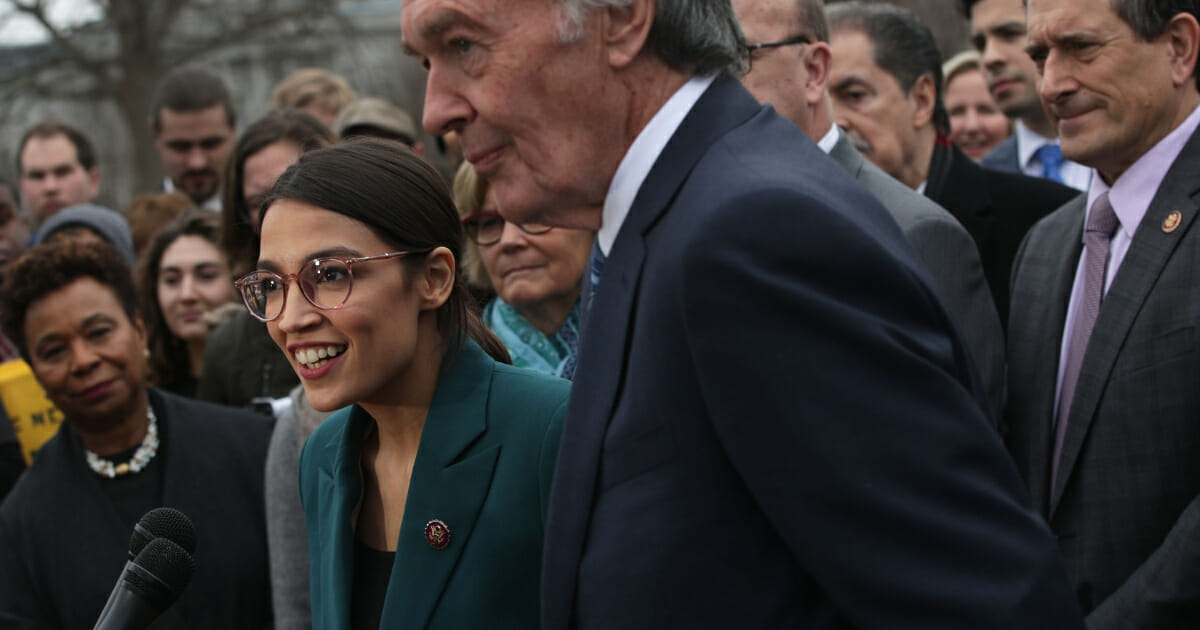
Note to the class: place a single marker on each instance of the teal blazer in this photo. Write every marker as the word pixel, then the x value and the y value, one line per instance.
pixel 483 468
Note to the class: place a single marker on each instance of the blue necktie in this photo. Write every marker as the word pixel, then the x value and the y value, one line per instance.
pixel 595 267
pixel 1051 158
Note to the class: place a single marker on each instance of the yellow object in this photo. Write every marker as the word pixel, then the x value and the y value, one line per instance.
pixel 35 419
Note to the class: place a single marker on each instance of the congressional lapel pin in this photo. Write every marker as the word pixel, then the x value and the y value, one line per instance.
pixel 1172 221
pixel 438 534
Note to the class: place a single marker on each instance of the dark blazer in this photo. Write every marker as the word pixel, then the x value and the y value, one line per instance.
pixel 12 461
pixel 63 542
pixel 242 363
pixel 996 208
pixel 1125 507
pixel 1005 157
pixel 773 424
pixel 483 468
pixel 951 258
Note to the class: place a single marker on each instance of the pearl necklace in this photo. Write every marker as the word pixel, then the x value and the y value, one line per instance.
pixel 141 457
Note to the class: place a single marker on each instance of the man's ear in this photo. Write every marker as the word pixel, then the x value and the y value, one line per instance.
pixel 817 61
pixel 1182 36
pixel 93 176
pixel 436 281
pixel 924 96
pixel 626 30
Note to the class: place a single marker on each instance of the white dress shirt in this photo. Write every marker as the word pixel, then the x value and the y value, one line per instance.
pixel 642 155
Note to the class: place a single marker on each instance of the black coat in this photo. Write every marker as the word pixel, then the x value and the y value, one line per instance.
pixel 997 209
pixel 63 543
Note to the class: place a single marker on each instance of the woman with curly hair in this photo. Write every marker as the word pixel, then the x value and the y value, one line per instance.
pixel 122 449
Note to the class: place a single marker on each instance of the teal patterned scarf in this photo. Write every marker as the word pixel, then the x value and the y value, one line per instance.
pixel 528 346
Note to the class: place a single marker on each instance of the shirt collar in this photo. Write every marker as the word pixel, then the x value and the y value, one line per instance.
pixel 212 203
pixel 1028 142
pixel 642 155
pixel 1134 189
pixel 830 138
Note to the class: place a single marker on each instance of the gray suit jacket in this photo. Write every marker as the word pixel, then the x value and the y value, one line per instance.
pixel 1125 505
pixel 1004 157
pixel 952 260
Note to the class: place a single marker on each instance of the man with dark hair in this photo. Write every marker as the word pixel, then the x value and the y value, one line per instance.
pixel 998 32
pixel 789 66
pixel 1104 354
pixel 56 166
pixel 773 423
pixel 886 83
pixel 193 122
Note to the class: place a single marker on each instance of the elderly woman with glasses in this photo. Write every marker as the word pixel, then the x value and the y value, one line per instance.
pixel 425 496
pixel 536 273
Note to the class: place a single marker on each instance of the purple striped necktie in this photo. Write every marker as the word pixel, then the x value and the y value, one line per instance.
pixel 1101 225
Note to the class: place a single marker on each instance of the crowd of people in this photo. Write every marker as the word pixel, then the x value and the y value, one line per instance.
pixel 735 314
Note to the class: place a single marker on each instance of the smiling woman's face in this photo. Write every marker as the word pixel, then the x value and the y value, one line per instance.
pixel 357 353
pixel 193 279
pixel 87 354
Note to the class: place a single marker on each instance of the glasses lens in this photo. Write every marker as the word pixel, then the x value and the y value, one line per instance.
pixel 485 229
pixel 325 282
pixel 262 292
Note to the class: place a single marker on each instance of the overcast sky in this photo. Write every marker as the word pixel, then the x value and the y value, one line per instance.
pixel 19 29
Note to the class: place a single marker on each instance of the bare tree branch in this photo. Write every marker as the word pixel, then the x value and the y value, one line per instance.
pixel 249 27
pixel 37 10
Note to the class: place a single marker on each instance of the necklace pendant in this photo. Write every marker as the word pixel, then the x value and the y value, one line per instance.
pixel 122 469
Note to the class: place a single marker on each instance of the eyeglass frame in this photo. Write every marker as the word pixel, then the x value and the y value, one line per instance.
pixel 287 279
pixel 749 49
pixel 492 213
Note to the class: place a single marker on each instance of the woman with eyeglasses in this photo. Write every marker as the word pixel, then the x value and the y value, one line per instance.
pixel 536 273
pixel 425 497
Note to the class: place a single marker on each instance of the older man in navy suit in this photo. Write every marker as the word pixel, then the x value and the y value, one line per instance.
pixel 773 424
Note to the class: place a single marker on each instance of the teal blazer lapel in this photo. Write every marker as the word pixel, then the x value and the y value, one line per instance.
pixel 450 483
pixel 1148 254
pixel 340 488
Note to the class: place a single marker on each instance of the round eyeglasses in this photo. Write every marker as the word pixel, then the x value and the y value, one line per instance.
pixel 486 228
pixel 324 282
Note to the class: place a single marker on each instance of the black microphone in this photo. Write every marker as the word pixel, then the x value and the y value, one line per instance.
pixel 150 583
pixel 163 522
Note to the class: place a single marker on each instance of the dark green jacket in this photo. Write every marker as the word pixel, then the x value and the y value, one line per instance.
pixel 483 468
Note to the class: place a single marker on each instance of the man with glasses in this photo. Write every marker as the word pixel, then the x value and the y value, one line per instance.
pixel 789 73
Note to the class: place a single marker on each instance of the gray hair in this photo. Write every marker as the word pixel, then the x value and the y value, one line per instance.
pixel 697 36
pixel 904 46
pixel 1149 18
pixel 812 19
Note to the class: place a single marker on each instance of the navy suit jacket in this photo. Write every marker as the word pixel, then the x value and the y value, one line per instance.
pixel 773 424
pixel 1004 157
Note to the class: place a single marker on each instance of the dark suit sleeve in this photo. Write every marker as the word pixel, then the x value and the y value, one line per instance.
pixel 12 462
pixel 837 393
pixel 952 260
pixel 21 608
pixel 1165 589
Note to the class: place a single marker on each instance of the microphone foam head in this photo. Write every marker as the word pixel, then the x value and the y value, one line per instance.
pixel 163 522
pixel 168 565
